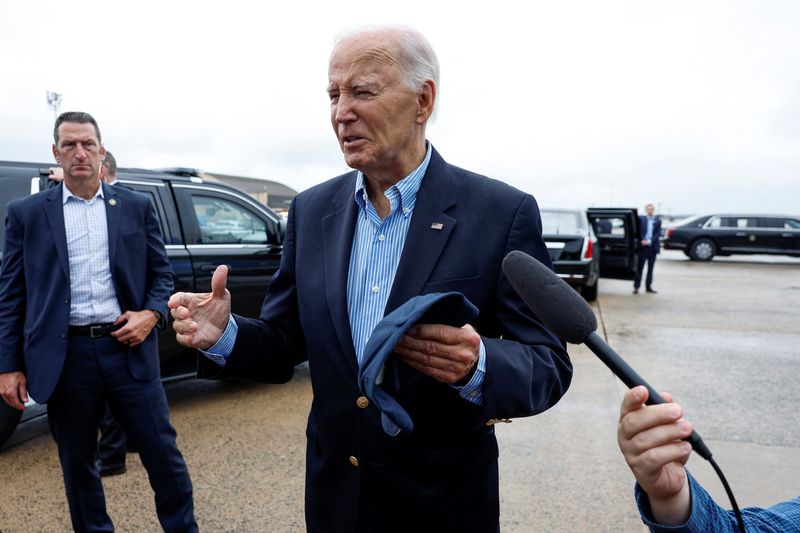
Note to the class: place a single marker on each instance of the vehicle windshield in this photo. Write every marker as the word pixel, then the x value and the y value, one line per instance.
pixel 566 222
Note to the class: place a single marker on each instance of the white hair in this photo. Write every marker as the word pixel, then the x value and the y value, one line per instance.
pixel 417 58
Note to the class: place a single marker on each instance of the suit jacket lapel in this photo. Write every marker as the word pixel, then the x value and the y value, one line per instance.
pixel 338 229
pixel 428 234
pixel 54 211
pixel 113 207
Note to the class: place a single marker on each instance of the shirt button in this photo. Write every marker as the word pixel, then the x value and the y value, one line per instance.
pixel 376 289
pixel 473 394
pixel 362 402
pixel 381 238
pixel 406 210
pixel 353 461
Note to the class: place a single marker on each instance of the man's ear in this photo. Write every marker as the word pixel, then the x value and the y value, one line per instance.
pixel 55 154
pixel 426 99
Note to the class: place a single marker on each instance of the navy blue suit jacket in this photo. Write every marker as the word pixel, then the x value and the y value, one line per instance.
pixel 305 317
pixel 656 241
pixel 34 284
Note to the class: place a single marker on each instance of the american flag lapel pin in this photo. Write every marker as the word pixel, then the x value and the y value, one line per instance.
pixel 437 225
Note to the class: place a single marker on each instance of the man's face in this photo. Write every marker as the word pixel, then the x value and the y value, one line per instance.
pixel 374 115
pixel 79 151
pixel 650 209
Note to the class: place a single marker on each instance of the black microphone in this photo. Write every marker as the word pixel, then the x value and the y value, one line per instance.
pixel 566 313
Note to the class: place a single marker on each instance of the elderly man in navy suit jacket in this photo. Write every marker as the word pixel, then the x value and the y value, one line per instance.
pixel 650 241
pixel 85 280
pixel 404 223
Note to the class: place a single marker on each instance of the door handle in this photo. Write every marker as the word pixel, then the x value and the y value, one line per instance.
pixel 208 268
pixel 787 235
pixel 741 234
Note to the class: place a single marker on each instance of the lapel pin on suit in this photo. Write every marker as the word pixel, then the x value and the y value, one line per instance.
pixel 112 202
pixel 437 225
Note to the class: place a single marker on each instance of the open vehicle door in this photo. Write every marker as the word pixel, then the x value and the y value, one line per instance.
pixel 617 231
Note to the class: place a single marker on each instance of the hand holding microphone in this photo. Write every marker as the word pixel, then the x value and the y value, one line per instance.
pixel 565 312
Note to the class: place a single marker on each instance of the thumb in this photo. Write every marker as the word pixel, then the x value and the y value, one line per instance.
pixel 23 392
pixel 218 281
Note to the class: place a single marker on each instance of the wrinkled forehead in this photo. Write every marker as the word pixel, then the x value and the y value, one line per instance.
pixel 356 59
pixel 76 131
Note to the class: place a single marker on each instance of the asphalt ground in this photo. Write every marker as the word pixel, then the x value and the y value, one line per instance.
pixel 723 337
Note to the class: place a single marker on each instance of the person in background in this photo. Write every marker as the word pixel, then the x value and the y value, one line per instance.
pixel 668 497
pixel 650 240
pixel 403 224
pixel 85 280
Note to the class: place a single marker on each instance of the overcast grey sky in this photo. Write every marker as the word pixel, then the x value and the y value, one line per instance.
pixel 692 105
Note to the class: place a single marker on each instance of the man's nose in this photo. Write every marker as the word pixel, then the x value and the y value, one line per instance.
pixel 344 109
pixel 81 152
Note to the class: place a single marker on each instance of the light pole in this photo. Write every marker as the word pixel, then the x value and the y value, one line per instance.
pixel 54 101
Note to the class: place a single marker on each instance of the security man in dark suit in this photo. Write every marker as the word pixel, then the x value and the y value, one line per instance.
pixel 650 241
pixel 85 280
pixel 357 247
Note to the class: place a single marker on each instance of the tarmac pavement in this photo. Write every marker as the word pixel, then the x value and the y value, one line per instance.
pixel 723 337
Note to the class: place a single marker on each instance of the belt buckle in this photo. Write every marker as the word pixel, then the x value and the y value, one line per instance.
pixel 93 329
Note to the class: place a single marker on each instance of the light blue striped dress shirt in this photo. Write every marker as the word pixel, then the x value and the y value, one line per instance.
pixel 377 246
pixel 93 298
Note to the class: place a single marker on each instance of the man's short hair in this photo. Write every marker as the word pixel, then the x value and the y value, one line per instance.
pixel 76 116
pixel 111 164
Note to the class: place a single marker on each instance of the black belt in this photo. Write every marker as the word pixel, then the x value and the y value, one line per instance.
pixel 94 330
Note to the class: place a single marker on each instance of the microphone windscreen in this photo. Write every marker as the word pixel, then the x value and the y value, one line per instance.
pixel 551 299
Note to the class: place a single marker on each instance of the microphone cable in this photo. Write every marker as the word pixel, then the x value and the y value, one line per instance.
pixel 736 511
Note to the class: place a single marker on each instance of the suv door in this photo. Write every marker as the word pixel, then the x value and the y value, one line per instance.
pixel 222 227
pixel 617 231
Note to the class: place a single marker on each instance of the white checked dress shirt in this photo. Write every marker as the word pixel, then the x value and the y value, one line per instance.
pixel 93 298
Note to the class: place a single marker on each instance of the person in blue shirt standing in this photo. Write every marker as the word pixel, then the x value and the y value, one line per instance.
pixel 650 240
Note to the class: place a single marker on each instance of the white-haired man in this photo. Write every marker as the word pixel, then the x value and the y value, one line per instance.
pixel 357 247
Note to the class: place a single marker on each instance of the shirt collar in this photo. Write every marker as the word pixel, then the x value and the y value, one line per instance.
pixel 406 189
pixel 66 194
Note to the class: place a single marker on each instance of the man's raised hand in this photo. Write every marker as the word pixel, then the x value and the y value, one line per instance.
pixel 201 318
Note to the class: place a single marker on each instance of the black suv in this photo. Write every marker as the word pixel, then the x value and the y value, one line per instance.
pixel 703 237
pixel 587 245
pixel 204 224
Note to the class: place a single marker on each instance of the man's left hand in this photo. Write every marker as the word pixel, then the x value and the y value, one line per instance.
pixel 445 353
pixel 138 325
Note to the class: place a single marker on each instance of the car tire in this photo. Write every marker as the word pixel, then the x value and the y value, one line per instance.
pixel 9 418
pixel 703 250
pixel 589 293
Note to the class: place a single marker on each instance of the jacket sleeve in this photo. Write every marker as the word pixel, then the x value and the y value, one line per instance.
pixel 267 348
pixel 12 295
pixel 527 368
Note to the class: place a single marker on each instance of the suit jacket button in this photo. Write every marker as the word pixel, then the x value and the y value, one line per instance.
pixel 353 461
pixel 63 335
pixel 362 402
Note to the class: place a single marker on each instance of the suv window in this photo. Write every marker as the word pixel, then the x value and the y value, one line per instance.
pixel 735 222
pixel 791 223
pixel 771 222
pixel 223 222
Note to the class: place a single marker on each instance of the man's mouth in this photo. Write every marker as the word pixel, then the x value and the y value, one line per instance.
pixel 348 140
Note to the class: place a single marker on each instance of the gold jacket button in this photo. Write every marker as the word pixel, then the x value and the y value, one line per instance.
pixel 353 461
pixel 362 402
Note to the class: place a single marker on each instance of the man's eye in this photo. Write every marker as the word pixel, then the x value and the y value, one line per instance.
pixel 334 98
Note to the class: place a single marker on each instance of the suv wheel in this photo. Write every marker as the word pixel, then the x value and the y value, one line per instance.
pixel 9 418
pixel 703 250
